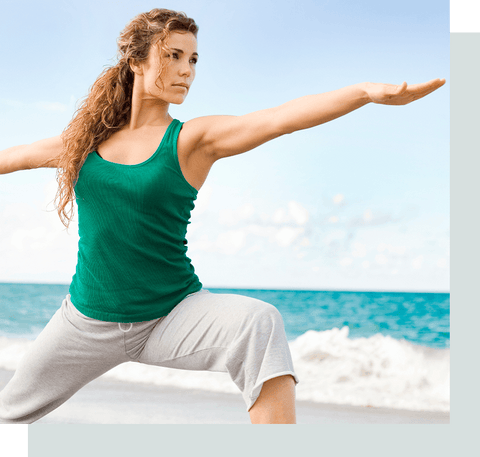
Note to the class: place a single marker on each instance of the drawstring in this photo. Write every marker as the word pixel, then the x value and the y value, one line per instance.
pixel 125 331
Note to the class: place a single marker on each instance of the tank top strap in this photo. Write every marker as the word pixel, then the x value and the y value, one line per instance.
pixel 171 156
pixel 172 136
pixel 168 145
pixel 171 133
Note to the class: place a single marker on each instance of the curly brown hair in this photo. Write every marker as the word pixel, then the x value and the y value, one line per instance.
pixel 107 107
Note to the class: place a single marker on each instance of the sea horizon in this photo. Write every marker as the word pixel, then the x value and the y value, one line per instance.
pixel 293 289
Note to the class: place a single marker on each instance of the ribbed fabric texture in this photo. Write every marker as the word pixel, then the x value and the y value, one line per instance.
pixel 132 264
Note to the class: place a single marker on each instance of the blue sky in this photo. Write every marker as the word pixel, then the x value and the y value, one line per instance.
pixel 360 203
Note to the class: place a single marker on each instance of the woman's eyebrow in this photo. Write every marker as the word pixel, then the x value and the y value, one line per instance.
pixel 179 50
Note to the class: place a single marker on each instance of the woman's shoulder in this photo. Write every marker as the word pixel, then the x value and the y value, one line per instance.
pixel 190 136
pixel 194 134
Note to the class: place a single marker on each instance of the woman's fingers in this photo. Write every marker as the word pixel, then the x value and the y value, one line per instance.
pixel 421 90
pixel 402 88
pixel 426 88
pixel 391 94
pixel 404 93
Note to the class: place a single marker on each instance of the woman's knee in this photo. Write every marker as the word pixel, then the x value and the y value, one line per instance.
pixel 261 319
pixel 268 313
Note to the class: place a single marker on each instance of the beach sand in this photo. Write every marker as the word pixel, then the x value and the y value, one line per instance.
pixel 115 402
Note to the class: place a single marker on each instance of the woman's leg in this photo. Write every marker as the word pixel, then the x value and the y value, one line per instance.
pixel 276 402
pixel 229 333
pixel 71 351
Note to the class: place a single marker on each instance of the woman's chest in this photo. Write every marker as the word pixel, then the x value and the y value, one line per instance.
pixel 129 148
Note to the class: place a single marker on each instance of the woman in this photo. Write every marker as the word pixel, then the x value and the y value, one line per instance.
pixel 135 173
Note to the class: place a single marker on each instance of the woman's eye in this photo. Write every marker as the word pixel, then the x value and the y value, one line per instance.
pixel 175 55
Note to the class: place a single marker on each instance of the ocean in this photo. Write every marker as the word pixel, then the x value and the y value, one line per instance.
pixel 382 349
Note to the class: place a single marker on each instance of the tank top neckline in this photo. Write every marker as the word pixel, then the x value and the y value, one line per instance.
pixel 165 135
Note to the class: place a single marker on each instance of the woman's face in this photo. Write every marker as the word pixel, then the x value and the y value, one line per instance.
pixel 180 69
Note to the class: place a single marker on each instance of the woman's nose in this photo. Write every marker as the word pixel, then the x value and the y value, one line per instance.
pixel 185 69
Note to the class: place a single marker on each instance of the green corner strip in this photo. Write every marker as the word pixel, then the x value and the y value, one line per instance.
pixel 13 440
pixel 464 16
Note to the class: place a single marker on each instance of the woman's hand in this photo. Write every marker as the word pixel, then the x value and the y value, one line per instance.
pixel 391 94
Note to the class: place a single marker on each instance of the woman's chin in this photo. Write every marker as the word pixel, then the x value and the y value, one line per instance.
pixel 177 100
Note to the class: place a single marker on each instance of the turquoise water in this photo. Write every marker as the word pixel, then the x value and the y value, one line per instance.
pixel 421 318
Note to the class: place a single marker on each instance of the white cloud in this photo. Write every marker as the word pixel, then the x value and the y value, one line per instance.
pixel 381 247
pixel 49 193
pixel 442 263
pixel 232 217
pixel 194 227
pixel 246 211
pixel 280 216
pixel 397 250
pixel 202 243
pixel 203 200
pixel 231 242
pixel 262 230
pixel 253 249
pixel 35 244
pixel 381 259
pixel 305 242
pixel 295 213
pixel 365 264
pixel 369 219
pixel 333 219
pixel 338 199
pixel 417 262
pixel 22 238
pixel 335 235
pixel 298 213
pixel 360 250
pixel 345 262
pixel 287 235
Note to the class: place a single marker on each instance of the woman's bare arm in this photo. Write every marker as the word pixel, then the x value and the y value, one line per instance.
pixel 224 136
pixel 42 153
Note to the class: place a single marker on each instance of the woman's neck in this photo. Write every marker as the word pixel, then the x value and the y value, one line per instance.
pixel 147 111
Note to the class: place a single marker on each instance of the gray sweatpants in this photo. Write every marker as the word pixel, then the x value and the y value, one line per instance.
pixel 205 331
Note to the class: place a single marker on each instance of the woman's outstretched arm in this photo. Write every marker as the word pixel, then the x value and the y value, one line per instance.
pixel 224 136
pixel 39 154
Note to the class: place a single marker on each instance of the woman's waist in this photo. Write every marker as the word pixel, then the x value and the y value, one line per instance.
pixel 133 304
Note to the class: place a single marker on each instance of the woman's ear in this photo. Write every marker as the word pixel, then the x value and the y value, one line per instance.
pixel 136 67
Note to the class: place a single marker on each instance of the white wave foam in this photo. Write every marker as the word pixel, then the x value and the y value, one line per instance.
pixel 377 371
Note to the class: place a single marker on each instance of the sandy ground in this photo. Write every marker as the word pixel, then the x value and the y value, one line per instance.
pixel 114 402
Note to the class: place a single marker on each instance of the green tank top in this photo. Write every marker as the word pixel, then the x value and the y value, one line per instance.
pixel 132 221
